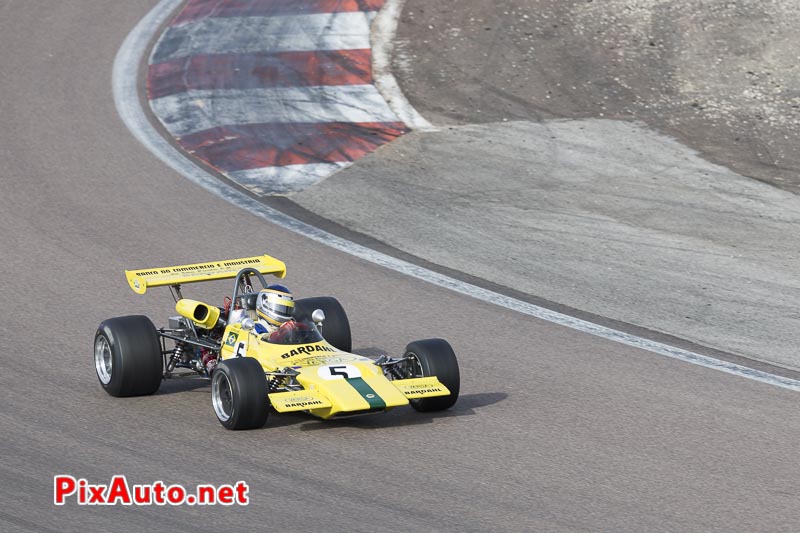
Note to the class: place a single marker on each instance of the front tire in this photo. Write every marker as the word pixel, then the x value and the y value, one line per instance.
pixel 434 357
pixel 127 356
pixel 335 328
pixel 239 394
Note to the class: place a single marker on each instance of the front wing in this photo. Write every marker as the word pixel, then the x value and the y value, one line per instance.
pixel 359 395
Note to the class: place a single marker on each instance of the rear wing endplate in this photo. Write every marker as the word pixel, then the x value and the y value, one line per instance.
pixel 141 280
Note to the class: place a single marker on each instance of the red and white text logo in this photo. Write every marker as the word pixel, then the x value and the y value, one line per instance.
pixel 119 492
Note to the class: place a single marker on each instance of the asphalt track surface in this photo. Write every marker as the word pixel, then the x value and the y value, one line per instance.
pixel 555 430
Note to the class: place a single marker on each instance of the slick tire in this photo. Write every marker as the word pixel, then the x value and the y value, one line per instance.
pixel 434 357
pixel 335 328
pixel 127 356
pixel 239 393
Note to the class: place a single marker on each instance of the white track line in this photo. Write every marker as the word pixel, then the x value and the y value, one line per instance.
pixel 382 37
pixel 124 80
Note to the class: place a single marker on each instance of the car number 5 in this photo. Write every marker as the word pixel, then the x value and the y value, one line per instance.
pixel 331 372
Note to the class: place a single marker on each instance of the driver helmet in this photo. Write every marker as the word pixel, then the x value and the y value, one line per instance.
pixel 275 305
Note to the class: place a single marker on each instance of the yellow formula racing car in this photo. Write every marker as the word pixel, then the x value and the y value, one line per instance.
pixel 302 361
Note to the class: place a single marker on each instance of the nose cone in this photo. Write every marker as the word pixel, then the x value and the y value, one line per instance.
pixel 352 388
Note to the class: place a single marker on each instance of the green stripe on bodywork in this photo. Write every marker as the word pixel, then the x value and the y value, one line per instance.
pixel 366 392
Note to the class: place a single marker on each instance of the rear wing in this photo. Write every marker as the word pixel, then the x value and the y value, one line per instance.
pixel 141 280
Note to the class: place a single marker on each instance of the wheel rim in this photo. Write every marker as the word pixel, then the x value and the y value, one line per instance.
pixel 412 367
pixel 222 396
pixel 103 361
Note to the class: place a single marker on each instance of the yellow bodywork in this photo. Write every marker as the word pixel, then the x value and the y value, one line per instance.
pixel 334 382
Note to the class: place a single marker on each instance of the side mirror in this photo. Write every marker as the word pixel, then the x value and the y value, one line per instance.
pixel 248 323
pixel 318 316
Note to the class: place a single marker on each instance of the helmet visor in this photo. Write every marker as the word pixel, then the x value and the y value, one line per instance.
pixel 280 307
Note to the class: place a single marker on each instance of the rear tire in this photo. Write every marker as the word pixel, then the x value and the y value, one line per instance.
pixel 239 393
pixel 434 357
pixel 127 356
pixel 335 328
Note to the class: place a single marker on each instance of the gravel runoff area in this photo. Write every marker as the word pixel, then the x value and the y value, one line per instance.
pixel 723 76
pixel 598 154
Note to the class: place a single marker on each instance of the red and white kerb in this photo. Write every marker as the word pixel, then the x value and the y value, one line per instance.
pixel 275 95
